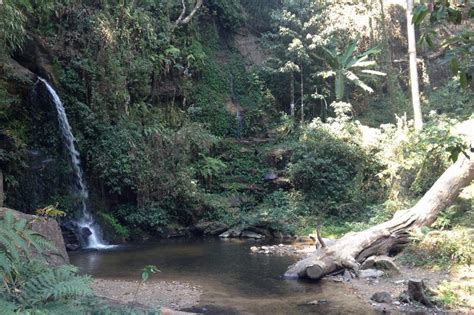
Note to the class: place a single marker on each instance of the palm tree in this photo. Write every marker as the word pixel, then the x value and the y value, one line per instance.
pixel 345 65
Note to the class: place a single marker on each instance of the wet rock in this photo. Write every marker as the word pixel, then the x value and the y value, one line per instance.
pixel 49 228
pixel 384 263
pixel 254 249
pixel 260 230
pixel 86 232
pixel 277 234
pixel 381 297
pixel 174 232
pixel 210 228
pixel 250 234
pixel 370 273
pixel 232 233
pixel 72 247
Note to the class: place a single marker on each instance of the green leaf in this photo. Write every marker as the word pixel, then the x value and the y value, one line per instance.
pixel 454 66
pixel 419 14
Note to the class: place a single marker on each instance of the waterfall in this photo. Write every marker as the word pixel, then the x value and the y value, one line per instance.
pixel 86 222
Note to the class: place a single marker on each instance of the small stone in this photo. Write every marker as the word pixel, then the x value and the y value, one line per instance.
pixel 370 273
pixel 254 249
pixel 382 297
pixel 347 276
pixel 318 302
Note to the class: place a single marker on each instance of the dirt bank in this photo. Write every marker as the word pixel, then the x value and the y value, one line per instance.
pixel 169 294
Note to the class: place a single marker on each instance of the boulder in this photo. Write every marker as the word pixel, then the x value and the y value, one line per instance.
pixel 49 228
pixel 231 233
pixel 174 232
pixel 210 228
pixel 384 263
pixel 260 230
pixel 381 297
pixel 250 234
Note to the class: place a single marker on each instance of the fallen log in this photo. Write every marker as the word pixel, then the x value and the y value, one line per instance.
pixel 391 236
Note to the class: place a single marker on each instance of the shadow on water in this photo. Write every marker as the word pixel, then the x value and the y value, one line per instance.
pixel 233 280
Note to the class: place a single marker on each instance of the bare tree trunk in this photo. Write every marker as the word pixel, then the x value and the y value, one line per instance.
pixel 391 236
pixel 292 95
pixel 302 92
pixel 415 91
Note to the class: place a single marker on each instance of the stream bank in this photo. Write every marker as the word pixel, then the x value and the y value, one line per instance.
pixel 383 290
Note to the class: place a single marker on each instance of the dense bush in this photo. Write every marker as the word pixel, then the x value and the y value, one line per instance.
pixel 333 175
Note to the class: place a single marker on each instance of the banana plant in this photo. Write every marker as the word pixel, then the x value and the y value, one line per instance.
pixel 346 68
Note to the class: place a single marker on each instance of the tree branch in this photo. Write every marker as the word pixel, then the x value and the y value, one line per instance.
pixel 182 20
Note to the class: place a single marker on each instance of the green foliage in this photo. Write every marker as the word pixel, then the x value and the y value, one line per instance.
pixel 147 271
pixel 344 64
pixel 28 284
pixel 460 43
pixel 451 100
pixel 208 168
pixel 440 249
pixel 120 230
pixel 413 161
pixel 332 174
pixel 148 218
pixel 50 211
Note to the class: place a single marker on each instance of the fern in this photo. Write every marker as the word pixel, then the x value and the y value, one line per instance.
pixel 27 283
pixel 55 284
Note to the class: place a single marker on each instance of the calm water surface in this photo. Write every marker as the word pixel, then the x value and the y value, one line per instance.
pixel 233 280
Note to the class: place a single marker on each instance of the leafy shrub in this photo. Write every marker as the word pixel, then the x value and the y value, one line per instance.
pixel 148 218
pixel 122 231
pixel 332 174
pixel 414 161
pixel 440 249
pixel 451 100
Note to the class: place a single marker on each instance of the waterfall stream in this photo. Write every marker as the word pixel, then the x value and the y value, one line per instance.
pixel 94 239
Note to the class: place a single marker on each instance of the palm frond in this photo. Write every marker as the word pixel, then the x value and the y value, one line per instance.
pixel 358 82
pixel 347 55
pixel 374 72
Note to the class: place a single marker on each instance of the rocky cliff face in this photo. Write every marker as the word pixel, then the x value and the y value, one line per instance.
pixel 49 228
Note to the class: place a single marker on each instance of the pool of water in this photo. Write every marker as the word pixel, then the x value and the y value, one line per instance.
pixel 234 281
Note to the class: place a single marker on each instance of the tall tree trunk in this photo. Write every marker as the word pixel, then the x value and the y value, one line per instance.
pixel 415 91
pixel 392 80
pixel 292 95
pixel 302 92
pixel 354 248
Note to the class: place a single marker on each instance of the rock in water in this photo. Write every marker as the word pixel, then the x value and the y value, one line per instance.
pixel 49 228
pixel 381 297
pixel 210 227
pixel 250 234
pixel 233 232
